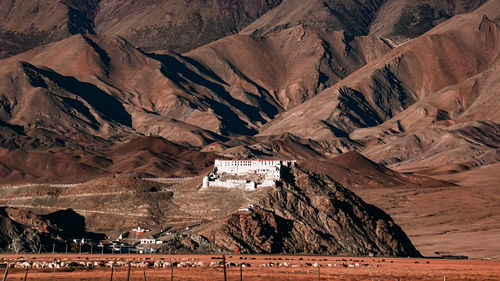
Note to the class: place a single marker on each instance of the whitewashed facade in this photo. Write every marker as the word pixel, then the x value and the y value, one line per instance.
pixel 271 168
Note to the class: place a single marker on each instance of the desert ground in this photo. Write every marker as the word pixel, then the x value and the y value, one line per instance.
pixel 257 267
pixel 453 220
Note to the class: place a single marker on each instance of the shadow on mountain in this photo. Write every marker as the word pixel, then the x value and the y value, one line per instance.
pixel 109 106
pixel 72 225
pixel 179 73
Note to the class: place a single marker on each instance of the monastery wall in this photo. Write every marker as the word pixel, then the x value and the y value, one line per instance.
pixel 272 168
pixel 230 184
pixel 244 168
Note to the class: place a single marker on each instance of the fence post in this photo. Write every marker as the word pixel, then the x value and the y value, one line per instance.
pixel 128 274
pixel 224 264
pixel 319 272
pixel 112 269
pixel 144 275
pixel 241 271
pixel 6 272
pixel 54 272
pixel 26 274
pixel 172 271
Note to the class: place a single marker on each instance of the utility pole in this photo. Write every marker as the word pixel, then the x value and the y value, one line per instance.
pixel 241 271
pixel 53 248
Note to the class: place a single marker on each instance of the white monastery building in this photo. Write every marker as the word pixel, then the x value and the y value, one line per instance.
pixel 270 169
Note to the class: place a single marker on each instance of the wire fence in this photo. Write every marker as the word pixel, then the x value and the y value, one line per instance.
pixel 219 268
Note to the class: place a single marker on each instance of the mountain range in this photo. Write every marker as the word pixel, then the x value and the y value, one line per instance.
pixel 162 88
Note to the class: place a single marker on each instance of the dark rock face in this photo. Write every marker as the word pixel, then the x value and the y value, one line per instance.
pixel 312 214
pixel 16 237
pixel 23 231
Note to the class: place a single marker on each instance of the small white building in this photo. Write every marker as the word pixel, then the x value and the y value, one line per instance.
pixel 148 241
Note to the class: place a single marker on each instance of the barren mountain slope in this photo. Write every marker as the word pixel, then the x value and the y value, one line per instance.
pixel 352 16
pixel 228 88
pixel 292 65
pixel 400 20
pixel 85 82
pixel 415 89
pixel 356 172
pixel 87 93
pixel 491 9
pixel 146 155
pixel 394 20
pixel 182 98
pixel 307 213
pixel 177 25
pixel 28 24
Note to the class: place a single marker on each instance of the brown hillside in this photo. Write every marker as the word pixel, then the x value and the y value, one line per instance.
pixel 412 88
pixel 355 171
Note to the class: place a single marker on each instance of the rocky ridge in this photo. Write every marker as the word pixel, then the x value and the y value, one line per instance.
pixel 305 213
pixel 310 213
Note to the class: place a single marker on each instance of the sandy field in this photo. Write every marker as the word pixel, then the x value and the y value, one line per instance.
pixel 454 220
pixel 259 267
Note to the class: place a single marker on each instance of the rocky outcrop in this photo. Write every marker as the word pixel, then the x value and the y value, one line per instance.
pixel 23 235
pixel 24 231
pixel 310 213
